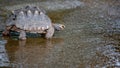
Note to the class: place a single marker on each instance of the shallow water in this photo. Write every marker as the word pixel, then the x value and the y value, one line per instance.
pixel 90 39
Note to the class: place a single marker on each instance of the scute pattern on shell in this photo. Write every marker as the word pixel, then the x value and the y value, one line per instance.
pixel 30 18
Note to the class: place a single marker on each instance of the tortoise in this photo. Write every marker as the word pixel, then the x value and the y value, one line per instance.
pixel 33 20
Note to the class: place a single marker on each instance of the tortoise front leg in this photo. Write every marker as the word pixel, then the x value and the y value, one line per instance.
pixel 49 33
pixel 6 32
pixel 22 35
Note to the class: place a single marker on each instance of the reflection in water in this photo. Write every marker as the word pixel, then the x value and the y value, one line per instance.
pixel 32 52
pixel 4 61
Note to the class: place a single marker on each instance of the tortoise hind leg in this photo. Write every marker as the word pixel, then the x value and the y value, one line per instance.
pixel 22 35
pixel 49 33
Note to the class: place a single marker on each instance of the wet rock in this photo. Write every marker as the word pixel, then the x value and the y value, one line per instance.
pixel 3 42
pixel 4 61
pixel 106 57
pixel 113 28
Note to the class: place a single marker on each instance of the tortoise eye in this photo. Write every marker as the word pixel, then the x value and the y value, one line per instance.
pixel 13 18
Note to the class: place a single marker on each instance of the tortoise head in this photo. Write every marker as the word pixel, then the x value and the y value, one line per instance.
pixel 11 19
pixel 58 26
